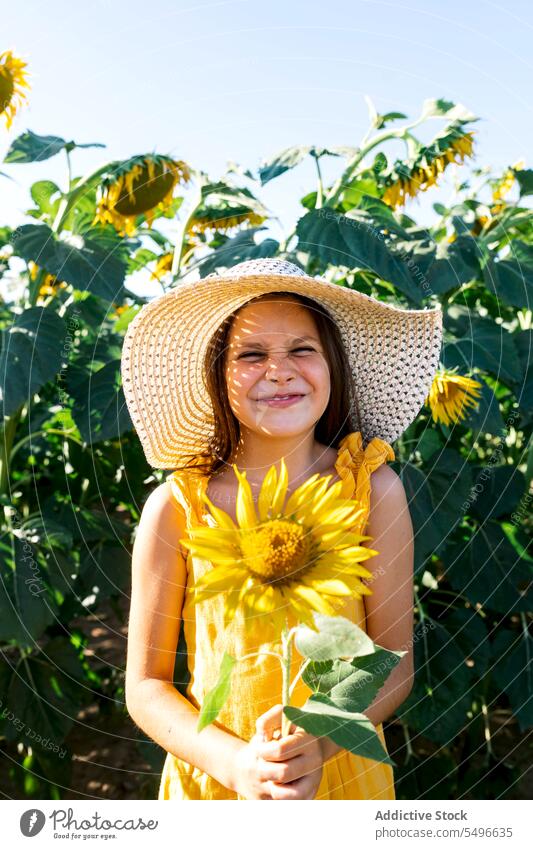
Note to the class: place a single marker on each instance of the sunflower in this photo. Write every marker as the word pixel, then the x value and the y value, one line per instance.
pixel 12 84
pixel 163 266
pixel 450 395
pixel 406 182
pixel 285 558
pixel 222 220
pixel 49 285
pixel 139 186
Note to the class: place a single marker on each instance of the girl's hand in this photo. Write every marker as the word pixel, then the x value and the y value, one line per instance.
pixel 290 767
pixel 250 771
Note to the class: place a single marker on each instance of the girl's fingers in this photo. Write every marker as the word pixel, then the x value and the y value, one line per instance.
pixel 298 789
pixel 269 722
pixel 297 743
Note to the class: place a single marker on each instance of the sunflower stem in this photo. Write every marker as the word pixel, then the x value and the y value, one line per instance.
pixel 299 674
pixel 287 637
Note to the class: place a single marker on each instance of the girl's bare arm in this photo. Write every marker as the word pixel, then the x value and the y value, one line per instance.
pixel 389 610
pixel 159 578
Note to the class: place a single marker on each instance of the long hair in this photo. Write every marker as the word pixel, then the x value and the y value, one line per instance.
pixel 340 417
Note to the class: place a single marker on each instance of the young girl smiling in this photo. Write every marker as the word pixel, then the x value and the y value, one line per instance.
pixel 259 363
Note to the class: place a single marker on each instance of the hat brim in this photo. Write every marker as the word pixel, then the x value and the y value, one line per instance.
pixel 393 352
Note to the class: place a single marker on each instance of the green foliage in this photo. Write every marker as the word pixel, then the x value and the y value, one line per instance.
pixel 73 476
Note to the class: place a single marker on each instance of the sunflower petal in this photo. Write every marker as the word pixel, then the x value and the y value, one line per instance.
pixel 212 553
pixel 281 489
pixel 221 517
pixel 299 495
pixel 245 508
pixel 266 494
pixel 329 586
pixel 314 599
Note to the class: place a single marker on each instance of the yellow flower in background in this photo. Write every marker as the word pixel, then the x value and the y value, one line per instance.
pixel 426 171
pixel 139 186
pixel 223 221
pixel 285 558
pixel 504 185
pixel 450 396
pixel 119 309
pixel 162 266
pixel 13 81
pixel 50 283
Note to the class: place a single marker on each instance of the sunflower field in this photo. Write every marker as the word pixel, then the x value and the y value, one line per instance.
pixel 73 477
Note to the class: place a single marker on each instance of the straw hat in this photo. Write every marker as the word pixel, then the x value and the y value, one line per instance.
pixel 394 354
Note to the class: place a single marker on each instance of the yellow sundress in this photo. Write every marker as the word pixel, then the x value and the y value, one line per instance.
pixel 256 682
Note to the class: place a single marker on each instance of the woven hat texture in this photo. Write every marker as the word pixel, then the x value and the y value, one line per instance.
pixel 393 352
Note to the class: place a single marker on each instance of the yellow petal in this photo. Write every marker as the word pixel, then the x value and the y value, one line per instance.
pixel 213 553
pixel 281 489
pixel 299 495
pixel 266 494
pixel 221 517
pixel 331 586
pixel 245 508
pixel 313 598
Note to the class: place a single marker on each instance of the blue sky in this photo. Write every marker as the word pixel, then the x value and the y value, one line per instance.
pixel 210 82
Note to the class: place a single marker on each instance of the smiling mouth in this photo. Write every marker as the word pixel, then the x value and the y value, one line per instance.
pixel 279 400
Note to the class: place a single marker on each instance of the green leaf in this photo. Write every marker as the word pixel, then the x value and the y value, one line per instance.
pixel 25 598
pixel 486 569
pixel 511 279
pixel 450 483
pixel 105 570
pixel 513 672
pixel 456 263
pixel 440 108
pixel 29 147
pixel 357 241
pixel 499 489
pixel 525 181
pixel 217 697
pixel 487 346
pixel 86 263
pixel 353 731
pixel 382 120
pixel 31 356
pixel 428 537
pixel 282 162
pixel 238 249
pixel 486 417
pixel 44 701
pixel 42 193
pixel 100 410
pixel 471 635
pixel 352 686
pixel 336 637
pixel 438 703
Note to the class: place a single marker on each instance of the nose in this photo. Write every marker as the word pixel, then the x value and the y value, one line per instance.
pixel 278 367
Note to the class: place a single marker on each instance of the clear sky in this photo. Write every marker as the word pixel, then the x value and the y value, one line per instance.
pixel 210 82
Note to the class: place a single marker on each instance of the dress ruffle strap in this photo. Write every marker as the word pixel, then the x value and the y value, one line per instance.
pixel 355 465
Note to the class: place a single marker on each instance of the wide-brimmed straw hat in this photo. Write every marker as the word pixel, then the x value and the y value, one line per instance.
pixel 393 354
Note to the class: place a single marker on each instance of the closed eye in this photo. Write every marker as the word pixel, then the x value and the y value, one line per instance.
pixel 261 354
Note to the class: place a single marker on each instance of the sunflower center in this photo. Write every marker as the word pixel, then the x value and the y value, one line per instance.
pixel 7 88
pixel 146 192
pixel 277 550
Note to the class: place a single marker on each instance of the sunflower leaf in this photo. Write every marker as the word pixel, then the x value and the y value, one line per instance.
pixel 353 731
pixel 216 698
pixel 336 637
pixel 352 686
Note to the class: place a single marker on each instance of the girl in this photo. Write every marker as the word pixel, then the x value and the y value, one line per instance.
pixel 258 363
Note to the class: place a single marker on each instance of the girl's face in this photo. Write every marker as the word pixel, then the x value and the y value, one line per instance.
pixel 274 350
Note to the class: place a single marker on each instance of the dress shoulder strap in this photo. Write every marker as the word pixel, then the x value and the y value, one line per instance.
pixel 355 465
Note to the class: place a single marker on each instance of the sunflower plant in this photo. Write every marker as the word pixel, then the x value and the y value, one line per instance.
pixel 287 566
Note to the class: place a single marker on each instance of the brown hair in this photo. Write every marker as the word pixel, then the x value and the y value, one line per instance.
pixel 337 419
